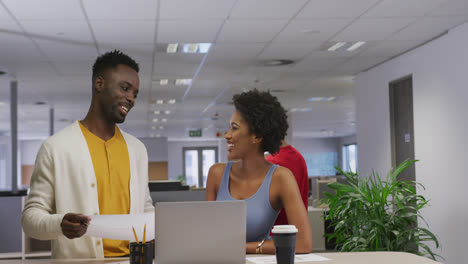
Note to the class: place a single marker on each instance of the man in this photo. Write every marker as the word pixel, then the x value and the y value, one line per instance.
pixel 91 167
pixel 292 159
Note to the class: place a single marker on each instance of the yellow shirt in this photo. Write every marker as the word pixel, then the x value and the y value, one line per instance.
pixel 112 168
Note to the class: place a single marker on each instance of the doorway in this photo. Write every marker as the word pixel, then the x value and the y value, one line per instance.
pixel 401 124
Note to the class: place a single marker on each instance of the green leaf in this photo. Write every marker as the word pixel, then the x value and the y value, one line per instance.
pixel 375 214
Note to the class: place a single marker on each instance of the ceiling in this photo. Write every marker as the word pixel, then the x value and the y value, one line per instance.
pixel 49 46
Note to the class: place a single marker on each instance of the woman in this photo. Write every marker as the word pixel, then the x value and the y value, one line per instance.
pixel 258 125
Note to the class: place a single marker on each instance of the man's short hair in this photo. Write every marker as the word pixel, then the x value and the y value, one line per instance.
pixel 111 60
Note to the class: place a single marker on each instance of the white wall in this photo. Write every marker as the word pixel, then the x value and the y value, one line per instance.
pixel 28 150
pixel 439 70
pixel 304 145
pixel 156 147
pixel 175 158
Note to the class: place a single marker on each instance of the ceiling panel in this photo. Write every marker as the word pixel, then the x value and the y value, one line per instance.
pixel 4 15
pixel 224 73
pixel 184 9
pixel 75 68
pixel 311 30
pixel 341 53
pixel 372 29
pixel 170 31
pixel 141 53
pixel 316 64
pixel 358 64
pixel 32 9
pixel 25 51
pixel 240 51
pixel 288 51
pixel 266 9
pixel 247 31
pixel 389 48
pixel 174 70
pixel 428 27
pixel 451 8
pixel 136 31
pixel 121 9
pixel 8 37
pixel 403 8
pixel 335 8
pixel 66 51
pixel 63 31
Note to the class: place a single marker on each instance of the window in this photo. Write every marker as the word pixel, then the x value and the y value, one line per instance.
pixel 350 158
pixel 197 162
pixel 321 163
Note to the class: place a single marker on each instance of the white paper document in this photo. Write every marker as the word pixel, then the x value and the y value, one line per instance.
pixel 298 258
pixel 120 226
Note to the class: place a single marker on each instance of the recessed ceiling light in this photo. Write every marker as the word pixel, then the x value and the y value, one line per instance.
pixel 356 45
pixel 190 48
pixel 157 112
pixel 161 127
pixel 310 31
pixel 172 47
pixel 164 120
pixel 322 99
pixel 167 112
pixel 153 127
pixel 204 47
pixel 172 101
pixel 336 46
pixel 152 135
pixel 2 103
pixel 163 82
pixel 183 81
pixel 155 120
pixel 158 135
pixel 159 101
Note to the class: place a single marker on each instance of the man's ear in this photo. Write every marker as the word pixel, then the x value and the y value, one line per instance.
pixel 99 84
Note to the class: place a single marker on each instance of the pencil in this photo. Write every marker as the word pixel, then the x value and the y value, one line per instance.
pixel 144 235
pixel 134 233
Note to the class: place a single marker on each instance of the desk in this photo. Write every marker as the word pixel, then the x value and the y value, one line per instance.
pixel 335 258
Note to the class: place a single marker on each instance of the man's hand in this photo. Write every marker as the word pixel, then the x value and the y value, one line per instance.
pixel 74 225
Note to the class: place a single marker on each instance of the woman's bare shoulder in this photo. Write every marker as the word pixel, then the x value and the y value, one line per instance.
pixel 282 177
pixel 217 170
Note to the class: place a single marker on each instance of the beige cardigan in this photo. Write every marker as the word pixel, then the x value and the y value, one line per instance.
pixel 63 182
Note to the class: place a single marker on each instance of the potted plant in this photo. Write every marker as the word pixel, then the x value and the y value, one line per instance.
pixel 369 214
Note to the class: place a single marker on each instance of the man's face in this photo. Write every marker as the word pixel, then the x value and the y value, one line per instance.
pixel 119 89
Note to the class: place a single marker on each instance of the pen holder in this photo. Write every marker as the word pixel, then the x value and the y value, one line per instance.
pixel 141 253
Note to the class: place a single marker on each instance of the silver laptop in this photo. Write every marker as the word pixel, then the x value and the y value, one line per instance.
pixel 200 232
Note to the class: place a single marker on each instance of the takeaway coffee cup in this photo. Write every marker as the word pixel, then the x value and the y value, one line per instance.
pixel 284 237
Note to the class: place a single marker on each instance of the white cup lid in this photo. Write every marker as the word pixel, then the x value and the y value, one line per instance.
pixel 283 229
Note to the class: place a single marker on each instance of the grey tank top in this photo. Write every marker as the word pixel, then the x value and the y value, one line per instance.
pixel 260 215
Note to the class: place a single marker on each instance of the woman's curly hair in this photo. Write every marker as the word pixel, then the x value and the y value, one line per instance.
pixel 265 116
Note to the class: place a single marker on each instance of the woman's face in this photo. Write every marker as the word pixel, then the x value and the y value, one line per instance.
pixel 239 138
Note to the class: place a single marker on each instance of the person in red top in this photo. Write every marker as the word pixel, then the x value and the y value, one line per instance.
pixel 292 159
